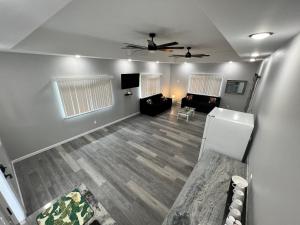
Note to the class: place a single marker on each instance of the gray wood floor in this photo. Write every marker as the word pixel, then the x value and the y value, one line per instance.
pixel 136 168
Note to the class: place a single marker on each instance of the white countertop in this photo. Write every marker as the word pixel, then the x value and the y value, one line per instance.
pixel 234 116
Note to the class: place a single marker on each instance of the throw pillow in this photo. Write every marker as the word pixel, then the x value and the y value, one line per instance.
pixel 212 100
pixel 189 97
pixel 149 101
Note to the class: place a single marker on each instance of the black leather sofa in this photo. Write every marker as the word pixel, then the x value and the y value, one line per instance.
pixel 202 103
pixel 155 104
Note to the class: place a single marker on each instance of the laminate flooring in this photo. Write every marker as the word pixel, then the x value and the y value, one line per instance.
pixel 136 168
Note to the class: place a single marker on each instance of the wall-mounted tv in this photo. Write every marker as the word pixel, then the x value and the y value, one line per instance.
pixel 130 80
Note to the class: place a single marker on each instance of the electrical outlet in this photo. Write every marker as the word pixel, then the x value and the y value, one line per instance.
pixel 95 121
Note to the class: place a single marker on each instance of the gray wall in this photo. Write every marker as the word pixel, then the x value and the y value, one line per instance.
pixel 230 71
pixel 30 117
pixel 274 156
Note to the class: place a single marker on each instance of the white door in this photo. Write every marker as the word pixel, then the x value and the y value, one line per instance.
pixel 10 205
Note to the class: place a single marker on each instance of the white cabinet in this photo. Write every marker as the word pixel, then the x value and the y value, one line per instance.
pixel 227 132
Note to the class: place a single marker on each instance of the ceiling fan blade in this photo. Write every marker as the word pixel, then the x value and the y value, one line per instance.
pixel 165 50
pixel 134 48
pixel 167 44
pixel 172 48
pixel 128 46
pixel 200 55
pixel 177 56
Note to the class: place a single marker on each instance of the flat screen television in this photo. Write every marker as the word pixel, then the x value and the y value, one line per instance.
pixel 130 80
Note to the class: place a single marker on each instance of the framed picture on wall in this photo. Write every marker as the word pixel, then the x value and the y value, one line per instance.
pixel 237 87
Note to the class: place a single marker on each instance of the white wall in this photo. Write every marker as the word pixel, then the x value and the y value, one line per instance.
pixel 274 155
pixel 30 117
pixel 229 71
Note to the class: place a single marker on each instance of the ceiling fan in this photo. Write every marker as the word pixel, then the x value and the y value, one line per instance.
pixel 189 55
pixel 152 46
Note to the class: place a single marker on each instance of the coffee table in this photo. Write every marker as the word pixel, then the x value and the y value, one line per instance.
pixel 186 113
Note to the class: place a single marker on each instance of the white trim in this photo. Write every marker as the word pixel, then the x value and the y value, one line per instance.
pixel 18 186
pixel 151 75
pixel 83 77
pixel 72 138
pixel 82 56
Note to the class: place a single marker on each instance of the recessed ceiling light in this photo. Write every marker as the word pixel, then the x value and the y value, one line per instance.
pixel 255 54
pixel 77 56
pixel 230 62
pixel 129 60
pixel 252 60
pixel 260 36
pixel 157 62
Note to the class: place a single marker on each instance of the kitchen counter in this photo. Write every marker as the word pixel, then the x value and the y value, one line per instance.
pixel 202 199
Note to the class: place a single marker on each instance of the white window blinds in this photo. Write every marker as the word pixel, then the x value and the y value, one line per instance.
pixel 80 96
pixel 150 85
pixel 205 85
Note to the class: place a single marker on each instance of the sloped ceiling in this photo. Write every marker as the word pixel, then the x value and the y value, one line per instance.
pixel 18 19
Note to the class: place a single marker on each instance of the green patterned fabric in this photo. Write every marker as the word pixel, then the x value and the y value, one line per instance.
pixel 71 209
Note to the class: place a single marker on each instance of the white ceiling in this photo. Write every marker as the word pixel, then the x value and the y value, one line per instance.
pixel 97 28
pixel 19 18
pixel 120 21
pixel 236 19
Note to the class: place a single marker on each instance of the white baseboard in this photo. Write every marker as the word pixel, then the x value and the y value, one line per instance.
pixel 70 139
pixel 57 144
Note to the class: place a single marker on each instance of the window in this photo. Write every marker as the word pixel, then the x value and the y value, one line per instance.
pixel 205 85
pixel 82 95
pixel 150 85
